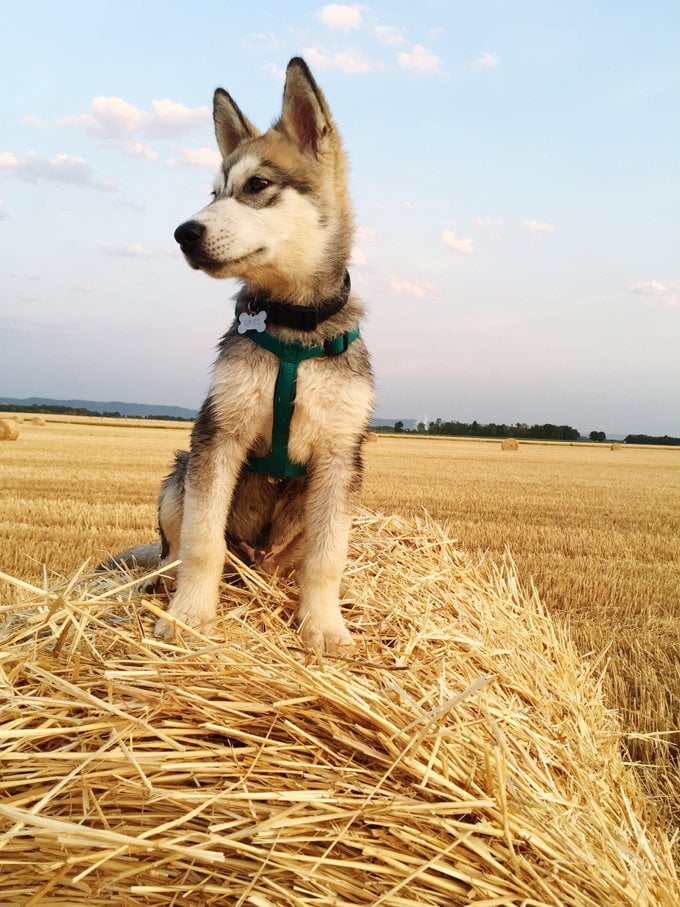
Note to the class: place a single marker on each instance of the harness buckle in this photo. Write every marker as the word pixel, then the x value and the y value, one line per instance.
pixel 329 345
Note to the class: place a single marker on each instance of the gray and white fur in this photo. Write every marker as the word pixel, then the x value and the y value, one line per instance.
pixel 281 221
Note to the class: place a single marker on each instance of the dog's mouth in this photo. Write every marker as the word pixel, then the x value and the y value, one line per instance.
pixel 200 263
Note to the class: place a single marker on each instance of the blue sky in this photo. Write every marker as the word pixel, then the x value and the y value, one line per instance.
pixel 514 173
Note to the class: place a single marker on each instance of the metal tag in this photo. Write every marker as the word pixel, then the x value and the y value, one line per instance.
pixel 248 322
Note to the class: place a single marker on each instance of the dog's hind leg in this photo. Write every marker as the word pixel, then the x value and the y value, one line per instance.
pixel 170 511
pixel 170 506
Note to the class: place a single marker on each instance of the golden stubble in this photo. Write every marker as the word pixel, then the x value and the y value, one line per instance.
pixel 597 530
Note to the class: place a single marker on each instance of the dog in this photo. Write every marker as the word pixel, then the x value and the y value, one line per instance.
pixel 274 471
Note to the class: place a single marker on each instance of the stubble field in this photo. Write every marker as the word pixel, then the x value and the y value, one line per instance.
pixel 597 530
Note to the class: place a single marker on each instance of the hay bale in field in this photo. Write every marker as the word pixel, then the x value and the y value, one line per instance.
pixel 509 444
pixel 37 420
pixel 615 447
pixel 18 418
pixel 9 430
pixel 462 755
pixel 371 436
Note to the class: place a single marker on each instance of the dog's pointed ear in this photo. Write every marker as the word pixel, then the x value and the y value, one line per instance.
pixel 305 115
pixel 231 127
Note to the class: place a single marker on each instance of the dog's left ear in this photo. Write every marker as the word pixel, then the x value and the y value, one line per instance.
pixel 305 115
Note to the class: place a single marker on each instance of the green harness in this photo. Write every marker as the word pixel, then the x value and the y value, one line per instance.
pixel 290 354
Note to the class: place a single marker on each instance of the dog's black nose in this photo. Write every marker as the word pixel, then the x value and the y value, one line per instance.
pixel 188 234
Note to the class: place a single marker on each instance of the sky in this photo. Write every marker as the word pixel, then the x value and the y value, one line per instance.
pixel 514 171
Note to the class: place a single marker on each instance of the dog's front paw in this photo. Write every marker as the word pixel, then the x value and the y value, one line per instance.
pixel 191 611
pixel 330 636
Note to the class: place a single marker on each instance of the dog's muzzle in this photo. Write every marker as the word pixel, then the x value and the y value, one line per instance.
pixel 189 236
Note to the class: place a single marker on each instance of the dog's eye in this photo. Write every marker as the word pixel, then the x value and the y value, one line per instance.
pixel 255 184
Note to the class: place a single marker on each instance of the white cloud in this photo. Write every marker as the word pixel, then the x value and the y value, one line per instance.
pixel 276 72
pixel 196 157
pixel 350 61
pixel 486 60
pixel 490 226
pixel 535 226
pixel 462 246
pixel 649 287
pixel 263 41
pixel 654 292
pixel 420 60
pixel 136 250
pixel 61 169
pixel 489 223
pixel 138 149
pixel 110 118
pixel 389 34
pixel 410 288
pixel 341 16
pixel 119 124
pixel 365 234
pixel 358 257
pixel 170 118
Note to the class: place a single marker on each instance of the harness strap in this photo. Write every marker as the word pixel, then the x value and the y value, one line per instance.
pixel 290 354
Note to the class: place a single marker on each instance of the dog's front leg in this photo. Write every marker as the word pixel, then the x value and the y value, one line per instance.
pixel 327 526
pixel 211 477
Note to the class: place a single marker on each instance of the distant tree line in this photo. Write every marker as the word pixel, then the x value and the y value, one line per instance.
pixel 546 432
pixel 57 409
pixel 649 439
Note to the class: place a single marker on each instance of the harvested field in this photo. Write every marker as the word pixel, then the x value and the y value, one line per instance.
pixel 462 756
pixel 598 530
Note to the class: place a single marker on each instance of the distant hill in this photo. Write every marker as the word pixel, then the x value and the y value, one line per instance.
pixel 145 410
pixel 140 410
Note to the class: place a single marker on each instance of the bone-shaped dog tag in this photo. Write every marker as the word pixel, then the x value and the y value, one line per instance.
pixel 248 322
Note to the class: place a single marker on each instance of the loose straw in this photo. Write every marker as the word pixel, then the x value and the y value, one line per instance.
pixel 461 755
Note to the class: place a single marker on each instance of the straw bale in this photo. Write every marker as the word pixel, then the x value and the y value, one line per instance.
pixel 615 447
pixel 18 417
pixel 462 755
pixel 371 436
pixel 9 430
pixel 37 420
pixel 509 444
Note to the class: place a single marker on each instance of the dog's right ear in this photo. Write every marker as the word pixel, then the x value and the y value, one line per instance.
pixel 231 127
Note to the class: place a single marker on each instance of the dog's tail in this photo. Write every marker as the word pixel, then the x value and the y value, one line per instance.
pixel 146 557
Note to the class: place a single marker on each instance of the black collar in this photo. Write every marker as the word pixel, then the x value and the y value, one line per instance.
pixel 299 317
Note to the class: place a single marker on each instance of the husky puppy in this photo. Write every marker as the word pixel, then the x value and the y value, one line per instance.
pixel 280 221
